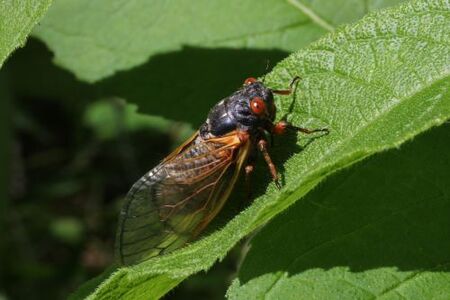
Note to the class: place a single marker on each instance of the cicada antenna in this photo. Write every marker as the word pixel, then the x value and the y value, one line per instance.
pixel 266 70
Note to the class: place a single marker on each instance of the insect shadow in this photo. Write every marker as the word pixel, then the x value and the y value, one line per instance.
pixel 282 148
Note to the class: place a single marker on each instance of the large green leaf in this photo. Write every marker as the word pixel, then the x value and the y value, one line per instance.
pixel 191 79
pixel 94 39
pixel 17 18
pixel 374 84
pixel 380 230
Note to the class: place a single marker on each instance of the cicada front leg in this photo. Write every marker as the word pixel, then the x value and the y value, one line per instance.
pixel 283 126
pixel 278 129
pixel 290 89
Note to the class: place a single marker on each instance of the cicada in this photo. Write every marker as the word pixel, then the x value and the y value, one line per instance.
pixel 174 202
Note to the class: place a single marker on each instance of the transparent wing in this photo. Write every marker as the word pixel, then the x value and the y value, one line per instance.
pixel 174 202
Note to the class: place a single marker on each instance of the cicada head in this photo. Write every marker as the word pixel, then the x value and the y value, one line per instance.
pixel 259 100
pixel 250 108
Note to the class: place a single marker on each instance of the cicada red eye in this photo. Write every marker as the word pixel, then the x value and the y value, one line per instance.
pixel 257 106
pixel 249 80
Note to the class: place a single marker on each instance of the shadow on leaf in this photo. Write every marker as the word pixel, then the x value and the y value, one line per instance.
pixel 388 211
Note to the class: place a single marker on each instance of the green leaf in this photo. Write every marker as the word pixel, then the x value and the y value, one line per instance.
pixel 379 230
pixel 374 84
pixel 67 229
pixel 108 118
pixel 122 34
pixel 17 18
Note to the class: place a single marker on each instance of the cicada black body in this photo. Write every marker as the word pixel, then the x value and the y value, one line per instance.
pixel 171 204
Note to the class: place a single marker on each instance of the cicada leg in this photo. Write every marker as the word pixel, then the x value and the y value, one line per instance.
pixel 262 146
pixel 290 89
pixel 282 126
pixel 278 129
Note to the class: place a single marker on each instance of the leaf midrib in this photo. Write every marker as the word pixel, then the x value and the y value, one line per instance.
pixel 412 277
pixel 312 15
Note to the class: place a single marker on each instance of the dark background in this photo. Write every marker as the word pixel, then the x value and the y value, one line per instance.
pixel 73 149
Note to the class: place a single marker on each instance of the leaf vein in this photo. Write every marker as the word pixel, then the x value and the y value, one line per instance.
pixel 412 277
pixel 279 277
pixel 247 36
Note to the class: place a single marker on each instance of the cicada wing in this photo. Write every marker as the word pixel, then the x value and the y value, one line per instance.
pixel 172 203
